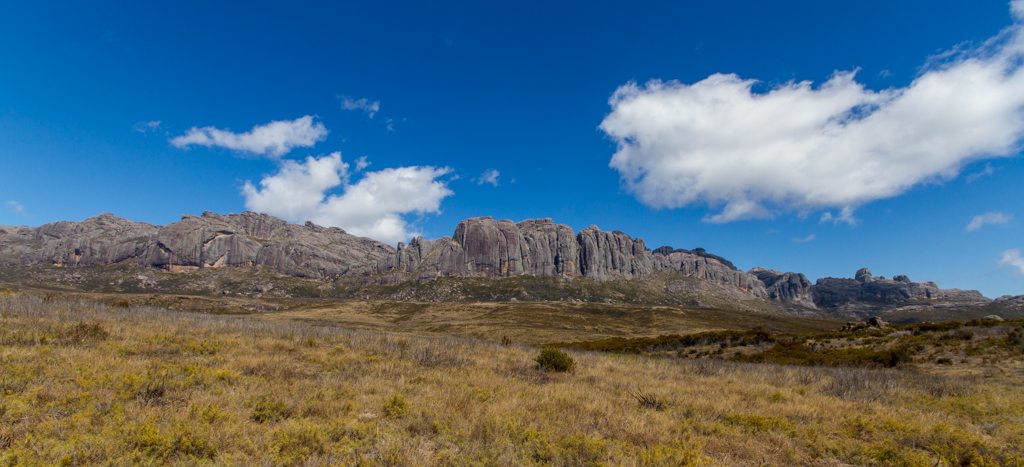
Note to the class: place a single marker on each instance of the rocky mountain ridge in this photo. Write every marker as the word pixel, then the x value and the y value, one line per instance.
pixel 479 247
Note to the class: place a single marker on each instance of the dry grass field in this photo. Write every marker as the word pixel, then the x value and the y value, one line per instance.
pixel 523 322
pixel 87 383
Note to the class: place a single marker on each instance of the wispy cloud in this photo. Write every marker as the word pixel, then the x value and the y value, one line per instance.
pixel 805 239
pixel 489 176
pixel 274 139
pixel 144 127
pixel 448 38
pixel 988 170
pixel 1014 259
pixel 846 215
pixel 15 207
pixel 362 163
pixel 364 104
pixel 802 146
pixel 988 218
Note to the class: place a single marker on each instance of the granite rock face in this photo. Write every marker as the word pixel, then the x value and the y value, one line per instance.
pixel 485 247
pixel 479 247
pixel 785 286
pixel 833 292
pixel 210 240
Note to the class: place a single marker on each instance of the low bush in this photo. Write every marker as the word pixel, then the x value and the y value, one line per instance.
pixel 797 353
pixel 268 409
pixel 396 406
pixel 555 360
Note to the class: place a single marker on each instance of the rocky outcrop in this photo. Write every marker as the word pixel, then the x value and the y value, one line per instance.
pixel 480 247
pixel 210 240
pixel 833 292
pixel 485 247
pixel 873 324
pixel 785 286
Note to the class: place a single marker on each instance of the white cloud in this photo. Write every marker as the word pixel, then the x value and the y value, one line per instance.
pixel 805 239
pixel 364 104
pixel 274 139
pixel 988 170
pixel 1013 258
pixel 489 176
pixel 15 207
pixel 988 218
pixel 143 127
pixel 361 164
pixel 846 215
pixel 800 148
pixel 372 207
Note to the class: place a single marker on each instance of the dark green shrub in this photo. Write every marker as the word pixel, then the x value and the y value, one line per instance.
pixel 555 360
pixel 797 353
pixel 269 409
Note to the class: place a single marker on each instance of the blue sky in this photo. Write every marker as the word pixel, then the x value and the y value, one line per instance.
pixel 151 111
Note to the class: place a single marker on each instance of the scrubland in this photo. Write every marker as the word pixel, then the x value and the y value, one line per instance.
pixel 85 383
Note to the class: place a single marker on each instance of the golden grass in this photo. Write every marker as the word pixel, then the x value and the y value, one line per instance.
pixel 85 383
pixel 523 322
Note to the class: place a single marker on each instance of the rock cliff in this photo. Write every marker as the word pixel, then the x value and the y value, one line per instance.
pixel 832 292
pixel 210 240
pixel 786 286
pixel 479 247
pixel 864 288
pixel 485 247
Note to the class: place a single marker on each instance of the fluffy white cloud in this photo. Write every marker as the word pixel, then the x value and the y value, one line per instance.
pixel 489 176
pixel 372 207
pixel 364 104
pixel 1013 258
pixel 988 218
pixel 274 139
pixel 802 148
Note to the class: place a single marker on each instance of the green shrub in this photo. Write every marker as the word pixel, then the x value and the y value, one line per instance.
pixel 396 406
pixel 797 353
pixel 555 360
pixel 269 409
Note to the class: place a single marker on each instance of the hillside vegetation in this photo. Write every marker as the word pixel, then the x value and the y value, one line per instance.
pixel 86 383
pixel 976 343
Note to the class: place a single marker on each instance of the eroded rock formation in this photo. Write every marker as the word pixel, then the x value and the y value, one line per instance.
pixel 785 286
pixel 480 247
pixel 485 247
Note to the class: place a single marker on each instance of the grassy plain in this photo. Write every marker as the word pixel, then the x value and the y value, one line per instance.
pixel 87 383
